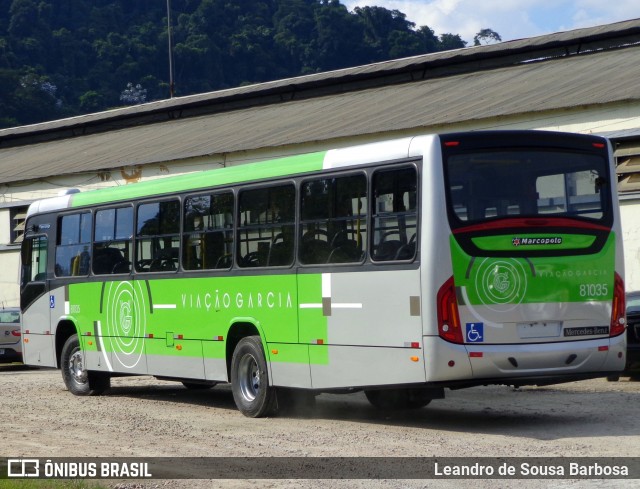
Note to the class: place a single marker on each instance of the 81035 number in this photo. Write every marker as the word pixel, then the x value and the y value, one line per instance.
pixel 594 290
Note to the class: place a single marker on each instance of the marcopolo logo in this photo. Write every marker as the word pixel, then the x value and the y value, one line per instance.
pixel 544 240
pixel 501 282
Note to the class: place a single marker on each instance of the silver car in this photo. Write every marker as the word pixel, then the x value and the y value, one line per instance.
pixel 10 344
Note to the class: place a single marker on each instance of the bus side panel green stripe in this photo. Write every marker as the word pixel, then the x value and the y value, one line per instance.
pixel 201 310
pixel 281 167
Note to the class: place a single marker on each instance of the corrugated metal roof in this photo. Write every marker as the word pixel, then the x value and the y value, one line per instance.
pixel 601 77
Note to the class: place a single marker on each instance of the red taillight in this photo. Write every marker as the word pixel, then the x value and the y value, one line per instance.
pixel 15 332
pixel 448 318
pixel 618 318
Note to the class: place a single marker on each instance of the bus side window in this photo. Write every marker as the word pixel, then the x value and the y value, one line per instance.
pixel 34 260
pixel 112 241
pixel 333 220
pixel 208 232
pixel 73 255
pixel 34 254
pixel 266 224
pixel 157 236
pixel 394 213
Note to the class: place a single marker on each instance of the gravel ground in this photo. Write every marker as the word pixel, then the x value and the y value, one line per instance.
pixel 145 417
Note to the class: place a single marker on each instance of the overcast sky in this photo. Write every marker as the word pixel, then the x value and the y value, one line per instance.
pixel 512 19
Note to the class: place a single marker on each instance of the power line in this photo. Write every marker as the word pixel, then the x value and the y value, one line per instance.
pixel 170 36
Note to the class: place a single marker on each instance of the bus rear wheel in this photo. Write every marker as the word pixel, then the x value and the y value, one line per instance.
pixel 391 399
pixel 250 379
pixel 77 378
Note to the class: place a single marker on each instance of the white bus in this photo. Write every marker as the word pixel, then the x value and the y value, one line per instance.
pixel 400 268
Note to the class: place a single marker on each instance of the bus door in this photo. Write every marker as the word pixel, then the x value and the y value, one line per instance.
pixel 35 302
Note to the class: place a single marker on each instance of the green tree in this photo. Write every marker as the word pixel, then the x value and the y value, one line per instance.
pixel 29 31
pixel 91 101
pixel 450 41
pixel 486 36
pixel 429 40
pixel 32 97
pixel 61 58
pixel 295 30
pixel 387 31
pixel 339 35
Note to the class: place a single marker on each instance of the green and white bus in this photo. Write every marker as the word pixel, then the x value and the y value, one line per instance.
pixel 400 268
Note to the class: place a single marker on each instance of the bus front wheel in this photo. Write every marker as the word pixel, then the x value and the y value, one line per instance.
pixel 250 379
pixel 77 378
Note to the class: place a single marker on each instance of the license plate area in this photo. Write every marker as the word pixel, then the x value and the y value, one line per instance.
pixel 1 351
pixel 539 329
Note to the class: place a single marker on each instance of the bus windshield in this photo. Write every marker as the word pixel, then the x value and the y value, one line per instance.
pixel 484 185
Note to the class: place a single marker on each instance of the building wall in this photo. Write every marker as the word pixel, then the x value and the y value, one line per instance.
pixel 630 217
pixel 9 261
pixel 10 266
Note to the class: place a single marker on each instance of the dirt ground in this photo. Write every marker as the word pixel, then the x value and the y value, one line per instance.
pixel 142 416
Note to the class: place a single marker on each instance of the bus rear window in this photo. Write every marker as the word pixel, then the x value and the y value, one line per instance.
pixel 497 184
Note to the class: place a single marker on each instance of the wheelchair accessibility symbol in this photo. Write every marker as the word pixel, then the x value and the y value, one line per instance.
pixel 475 332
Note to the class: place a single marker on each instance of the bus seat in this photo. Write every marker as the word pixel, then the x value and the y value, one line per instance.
pixel 165 260
pixel 106 259
pixel 387 250
pixel 280 252
pixel 346 252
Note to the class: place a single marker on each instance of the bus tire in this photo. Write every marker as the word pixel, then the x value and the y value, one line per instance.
pixel 392 399
pixel 77 378
pixel 250 379
pixel 418 398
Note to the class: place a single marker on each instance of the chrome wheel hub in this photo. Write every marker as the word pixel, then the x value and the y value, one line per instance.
pixel 249 377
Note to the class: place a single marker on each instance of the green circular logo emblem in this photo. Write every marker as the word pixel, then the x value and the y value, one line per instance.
pixel 125 321
pixel 501 282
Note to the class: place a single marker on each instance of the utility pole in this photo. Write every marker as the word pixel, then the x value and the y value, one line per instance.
pixel 170 36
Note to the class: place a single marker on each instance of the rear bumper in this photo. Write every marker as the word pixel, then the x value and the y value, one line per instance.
pixel 540 380
pixel 522 364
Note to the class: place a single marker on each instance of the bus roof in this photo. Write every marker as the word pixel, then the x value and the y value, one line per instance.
pixel 266 169
pixel 290 165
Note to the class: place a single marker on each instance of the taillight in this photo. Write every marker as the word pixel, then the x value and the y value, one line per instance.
pixel 448 318
pixel 618 318
pixel 15 332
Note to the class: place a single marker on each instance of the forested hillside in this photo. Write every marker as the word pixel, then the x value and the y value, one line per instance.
pixel 60 58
